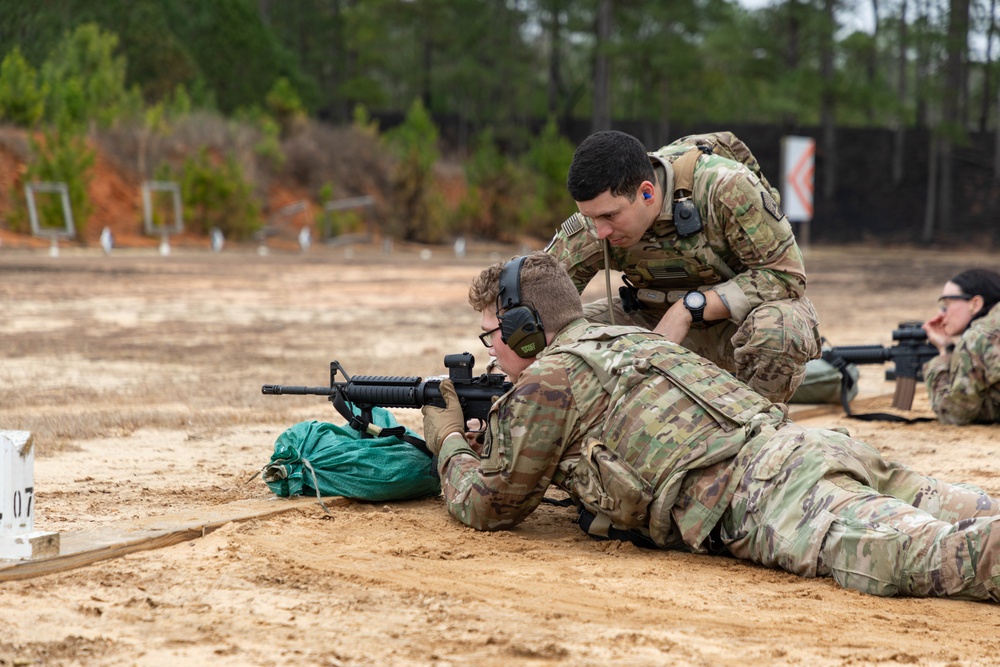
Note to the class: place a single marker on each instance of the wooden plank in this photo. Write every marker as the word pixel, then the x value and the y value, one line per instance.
pixel 115 540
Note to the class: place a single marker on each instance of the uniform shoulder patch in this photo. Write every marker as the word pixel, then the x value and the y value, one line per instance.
pixel 769 205
pixel 573 224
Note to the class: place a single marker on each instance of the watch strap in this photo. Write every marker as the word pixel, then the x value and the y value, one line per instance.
pixel 697 314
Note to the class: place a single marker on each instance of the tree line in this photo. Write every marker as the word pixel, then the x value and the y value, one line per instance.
pixel 507 67
pixel 923 63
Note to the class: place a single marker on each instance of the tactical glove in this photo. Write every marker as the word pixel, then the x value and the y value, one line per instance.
pixel 439 423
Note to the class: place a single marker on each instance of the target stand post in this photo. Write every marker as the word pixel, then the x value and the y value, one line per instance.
pixel 18 538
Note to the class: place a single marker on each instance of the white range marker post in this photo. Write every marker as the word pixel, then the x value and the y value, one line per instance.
pixel 18 538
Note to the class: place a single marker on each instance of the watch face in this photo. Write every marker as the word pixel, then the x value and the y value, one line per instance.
pixel 694 300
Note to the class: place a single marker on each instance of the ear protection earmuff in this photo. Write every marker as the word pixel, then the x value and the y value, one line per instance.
pixel 520 327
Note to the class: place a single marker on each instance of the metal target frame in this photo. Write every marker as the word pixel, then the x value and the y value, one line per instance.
pixel 55 187
pixel 349 203
pixel 148 187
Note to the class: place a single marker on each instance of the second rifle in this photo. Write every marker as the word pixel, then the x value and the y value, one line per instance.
pixel 908 355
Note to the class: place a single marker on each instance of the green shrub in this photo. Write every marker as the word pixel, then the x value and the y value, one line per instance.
pixel 22 96
pixel 268 148
pixel 86 81
pixel 267 133
pixel 179 104
pixel 60 157
pixel 218 195
pixel 497 191
pixel 419 207
pixel 362 121
pixel 285 106
pixel 548 161
pixel 507 197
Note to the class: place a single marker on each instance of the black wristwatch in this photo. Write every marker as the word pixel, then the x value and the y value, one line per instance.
pixel 695 301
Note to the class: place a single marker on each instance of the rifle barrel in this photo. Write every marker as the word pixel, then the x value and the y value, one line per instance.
pixel 283 389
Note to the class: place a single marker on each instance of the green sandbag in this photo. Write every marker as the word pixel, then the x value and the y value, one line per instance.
pixel 325 459
pixel 822 383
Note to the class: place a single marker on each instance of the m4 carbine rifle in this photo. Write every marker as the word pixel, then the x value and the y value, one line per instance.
pixel 909 355
pixel 476 394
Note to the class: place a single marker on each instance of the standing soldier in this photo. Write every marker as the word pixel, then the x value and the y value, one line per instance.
pixel 709 260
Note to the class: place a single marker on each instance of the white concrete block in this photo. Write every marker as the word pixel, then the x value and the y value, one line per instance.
pixel 18 538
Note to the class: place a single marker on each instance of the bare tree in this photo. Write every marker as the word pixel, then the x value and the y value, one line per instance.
pixel 899 138
pixel 996 143
pixel 872 64
pixel 957 49
pixel 984 112
pixel 344 59
pixel 556 85
pixel 923 63
pixel 930 208
pixel 792 54
pixel 828 119
pixel 601 119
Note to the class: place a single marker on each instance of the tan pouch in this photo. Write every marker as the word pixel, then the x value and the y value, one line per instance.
pixel 607 485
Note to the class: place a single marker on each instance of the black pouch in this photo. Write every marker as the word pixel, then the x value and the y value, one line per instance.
pixel 629 294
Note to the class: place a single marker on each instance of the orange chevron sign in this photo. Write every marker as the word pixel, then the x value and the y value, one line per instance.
pixel 798 160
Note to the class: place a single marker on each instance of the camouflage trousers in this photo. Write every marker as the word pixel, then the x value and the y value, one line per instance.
pixel 768 351
pixel 818 503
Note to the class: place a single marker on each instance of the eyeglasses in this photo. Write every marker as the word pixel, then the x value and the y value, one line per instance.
pixel 943 301
pixel 487 337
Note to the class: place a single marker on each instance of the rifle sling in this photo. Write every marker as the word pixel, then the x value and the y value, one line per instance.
pixel 847 383
pixel 369 430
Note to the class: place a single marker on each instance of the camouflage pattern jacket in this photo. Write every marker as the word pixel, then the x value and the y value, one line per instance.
pixel 964 386
pixel 746 251
pixel 668 412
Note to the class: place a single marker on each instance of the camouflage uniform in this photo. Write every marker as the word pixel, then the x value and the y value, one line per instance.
pixel 725 469
pixel 964 385
pixel 746 253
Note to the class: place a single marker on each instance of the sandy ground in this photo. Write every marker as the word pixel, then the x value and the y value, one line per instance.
pixel 139 376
